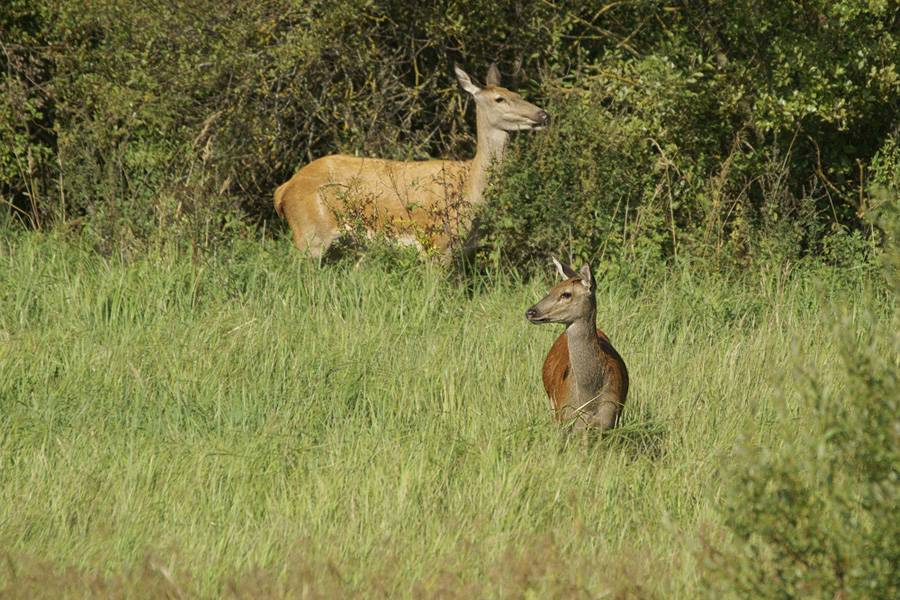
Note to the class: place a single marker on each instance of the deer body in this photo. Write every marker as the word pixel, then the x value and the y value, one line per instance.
pixel 425 200
pixel 584 377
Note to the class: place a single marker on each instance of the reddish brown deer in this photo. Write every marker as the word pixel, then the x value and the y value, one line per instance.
pixel 584 376
pixel 425 201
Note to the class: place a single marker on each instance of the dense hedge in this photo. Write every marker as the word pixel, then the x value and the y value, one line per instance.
pixel 693 128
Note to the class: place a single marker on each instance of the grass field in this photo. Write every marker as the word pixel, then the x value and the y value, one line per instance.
pixel 251 425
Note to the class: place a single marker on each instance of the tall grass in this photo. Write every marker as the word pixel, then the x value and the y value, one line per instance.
pixel 252 425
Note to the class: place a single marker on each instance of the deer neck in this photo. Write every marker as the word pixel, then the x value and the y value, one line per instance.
pixel 584 356
pixel 491 148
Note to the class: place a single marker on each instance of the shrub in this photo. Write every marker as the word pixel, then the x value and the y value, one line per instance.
pixel 739 133
pixel 697 129
pixel 819 516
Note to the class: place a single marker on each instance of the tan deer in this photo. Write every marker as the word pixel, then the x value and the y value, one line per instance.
pixel 425 201
pixel 584 376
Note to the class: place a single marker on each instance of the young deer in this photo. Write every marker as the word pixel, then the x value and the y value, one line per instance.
pixel 427 200
pixel 584 376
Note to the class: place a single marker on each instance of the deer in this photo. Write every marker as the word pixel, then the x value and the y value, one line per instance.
pixel 427 201
pixel 585 378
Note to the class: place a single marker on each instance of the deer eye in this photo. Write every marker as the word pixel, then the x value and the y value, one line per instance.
pixel 566 295
pixel 500 99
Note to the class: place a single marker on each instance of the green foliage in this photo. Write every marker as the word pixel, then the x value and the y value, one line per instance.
pixel 745 133
pixel 817 517
pixel 885 171
pixel 818 514
pixel 126 153
pixel 702 129
pixel 25 111
pixel 598 185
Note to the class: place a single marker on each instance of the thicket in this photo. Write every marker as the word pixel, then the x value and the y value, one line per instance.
pixel 695 128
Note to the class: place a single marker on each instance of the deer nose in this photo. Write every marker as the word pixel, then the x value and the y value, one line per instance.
pixel 531 313
pixel 543 116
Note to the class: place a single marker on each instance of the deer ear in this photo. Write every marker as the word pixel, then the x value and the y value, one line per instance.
pixel 587 278
pixel 565 271
pixel 493 76
pixel 467 82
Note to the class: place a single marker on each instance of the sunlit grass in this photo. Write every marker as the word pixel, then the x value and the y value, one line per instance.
pixel 253 425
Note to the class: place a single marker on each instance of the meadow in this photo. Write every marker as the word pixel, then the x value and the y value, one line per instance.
pixel 188 409
pixel 249 424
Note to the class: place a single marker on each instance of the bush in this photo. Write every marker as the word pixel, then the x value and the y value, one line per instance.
pixel 701 129
pixel 819 516
pixel 743 133
pixel 123 127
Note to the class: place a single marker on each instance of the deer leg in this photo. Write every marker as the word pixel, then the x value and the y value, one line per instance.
pixel 604 412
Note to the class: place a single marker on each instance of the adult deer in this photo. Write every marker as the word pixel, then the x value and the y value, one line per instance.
pixel 427 201
pixel 584 376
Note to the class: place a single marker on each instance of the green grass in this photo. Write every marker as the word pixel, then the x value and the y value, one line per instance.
pixel 252 425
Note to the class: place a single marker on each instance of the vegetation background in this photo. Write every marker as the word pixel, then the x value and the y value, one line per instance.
pixel 694 128
pixel 188 409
